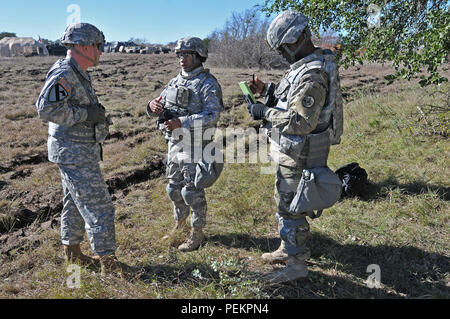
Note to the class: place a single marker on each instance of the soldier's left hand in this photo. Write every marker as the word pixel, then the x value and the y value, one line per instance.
pixel 172 125
pixel 257 111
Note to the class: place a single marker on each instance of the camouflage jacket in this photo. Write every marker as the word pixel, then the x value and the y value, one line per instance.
pixel 306 96
pixel 63 103
pixel 195 98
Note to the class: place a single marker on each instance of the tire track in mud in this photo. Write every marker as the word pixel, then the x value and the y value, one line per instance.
pixel 41 210
pixel 28 159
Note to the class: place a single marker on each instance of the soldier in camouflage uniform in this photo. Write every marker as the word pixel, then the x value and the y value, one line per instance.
pixel 192 101
pixel 304 119
pixel 77 127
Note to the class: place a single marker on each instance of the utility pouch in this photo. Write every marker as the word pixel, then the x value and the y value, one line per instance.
pixel 292 145
pixel 102 130
pixel 178 96
pixel 282 89
pixel 319 188
pixel 207 173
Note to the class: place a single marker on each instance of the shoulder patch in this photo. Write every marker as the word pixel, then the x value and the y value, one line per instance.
pixel 59 91
pixel 63 82
pixel 308 101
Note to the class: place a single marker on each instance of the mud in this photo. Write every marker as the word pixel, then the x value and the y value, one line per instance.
pixel 35 207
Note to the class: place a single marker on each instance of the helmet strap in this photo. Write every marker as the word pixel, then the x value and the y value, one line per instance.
pixel 93 61
pixel 293 53
pixel 195 63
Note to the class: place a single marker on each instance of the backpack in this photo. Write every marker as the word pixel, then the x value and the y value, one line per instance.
pixel 354 180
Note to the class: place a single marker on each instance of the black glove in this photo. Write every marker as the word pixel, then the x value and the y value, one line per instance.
pixel 257 111
pixel 96 114
pixel 248 100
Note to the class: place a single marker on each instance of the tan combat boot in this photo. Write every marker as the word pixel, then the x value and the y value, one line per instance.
pixel 295 269
pixel 278 256
pixel 74 255
pixel 178 234
pixel 110 264
pixel 194 241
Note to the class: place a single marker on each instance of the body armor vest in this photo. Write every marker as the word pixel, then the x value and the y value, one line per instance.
pixel 313 149
pixel 183 93
pixel 183 98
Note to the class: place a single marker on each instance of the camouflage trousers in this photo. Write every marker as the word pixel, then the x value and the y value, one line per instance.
pixel 294 230
pixel 87 208
pixel 186 198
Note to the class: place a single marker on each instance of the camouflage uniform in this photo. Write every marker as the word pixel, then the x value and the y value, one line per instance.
pixel 195 98
pixel 302 124
pixel 303 108
pixel 75 145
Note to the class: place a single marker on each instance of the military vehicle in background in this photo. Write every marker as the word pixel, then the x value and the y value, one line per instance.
pixel 131 47
pixel 165 50
pixel 56 48
pixel 114 47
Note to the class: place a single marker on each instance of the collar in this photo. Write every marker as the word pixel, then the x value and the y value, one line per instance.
pixel 189 75
pixel 306 59
pixel 78 68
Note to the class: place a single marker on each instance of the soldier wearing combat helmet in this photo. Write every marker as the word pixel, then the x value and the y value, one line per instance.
pixel 192 102
pixel 77 127
pixel 304 116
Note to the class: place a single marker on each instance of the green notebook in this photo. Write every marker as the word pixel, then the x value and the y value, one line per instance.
pixel 246 90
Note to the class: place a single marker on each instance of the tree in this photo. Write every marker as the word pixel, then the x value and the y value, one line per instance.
pixel 413 34
pixel 242 43
pixel 7 35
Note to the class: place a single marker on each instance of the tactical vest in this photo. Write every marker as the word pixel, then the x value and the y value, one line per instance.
pixel 331 116
pixel 80 132
pixel 313 150
pixel 183 94
pixel 183 97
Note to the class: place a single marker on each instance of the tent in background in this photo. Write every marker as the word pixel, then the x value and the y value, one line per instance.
pixel 21 47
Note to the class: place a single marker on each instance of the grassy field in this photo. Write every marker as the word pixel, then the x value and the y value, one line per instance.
pixel 401 224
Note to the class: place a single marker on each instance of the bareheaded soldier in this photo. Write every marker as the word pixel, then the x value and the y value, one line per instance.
pixel 192 101
pixel 304 112
pixel 77 127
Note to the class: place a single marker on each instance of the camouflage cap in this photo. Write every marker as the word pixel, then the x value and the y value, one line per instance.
pixel 82 34
pixel 192 44
pixel 286 28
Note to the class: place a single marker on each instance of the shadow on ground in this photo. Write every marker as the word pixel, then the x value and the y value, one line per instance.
pixel 406 272
pixel 380 190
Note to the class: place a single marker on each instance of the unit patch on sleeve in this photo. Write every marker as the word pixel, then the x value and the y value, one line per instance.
pixel 59 91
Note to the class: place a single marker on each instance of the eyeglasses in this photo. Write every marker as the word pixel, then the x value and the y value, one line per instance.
pixel 184 54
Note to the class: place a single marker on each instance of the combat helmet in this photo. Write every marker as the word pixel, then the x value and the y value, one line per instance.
pixel 192 44
pixel 82 34
pixel 286 28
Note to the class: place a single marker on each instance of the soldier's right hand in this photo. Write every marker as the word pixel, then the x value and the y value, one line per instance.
pixel 96 114
pixel 256 85
pixel 156 106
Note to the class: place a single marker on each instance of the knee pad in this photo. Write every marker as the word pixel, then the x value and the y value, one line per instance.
pixel 174 192
pixel 193 196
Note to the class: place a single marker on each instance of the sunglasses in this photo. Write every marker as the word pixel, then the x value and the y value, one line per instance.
pixel 184 54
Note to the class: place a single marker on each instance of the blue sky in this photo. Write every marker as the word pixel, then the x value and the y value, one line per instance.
pixel 158 21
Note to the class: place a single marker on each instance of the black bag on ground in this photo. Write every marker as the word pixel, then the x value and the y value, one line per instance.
pixel 354 180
